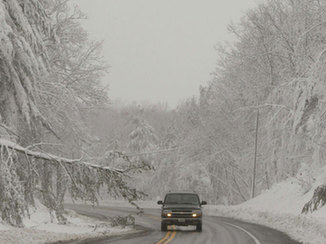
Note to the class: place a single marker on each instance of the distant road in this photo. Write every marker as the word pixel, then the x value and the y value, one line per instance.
pixel 216 230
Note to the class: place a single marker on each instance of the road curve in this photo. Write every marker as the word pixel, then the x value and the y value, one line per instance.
pixel 216 230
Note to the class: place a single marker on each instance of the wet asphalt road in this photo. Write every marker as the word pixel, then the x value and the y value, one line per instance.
pixel 217 230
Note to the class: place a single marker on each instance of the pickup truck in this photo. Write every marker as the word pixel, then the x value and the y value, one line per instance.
pixel 181 209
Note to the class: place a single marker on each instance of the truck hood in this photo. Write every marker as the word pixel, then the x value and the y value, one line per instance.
pixel 181 207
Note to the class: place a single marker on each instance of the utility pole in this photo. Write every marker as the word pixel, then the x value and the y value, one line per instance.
pixel 255 158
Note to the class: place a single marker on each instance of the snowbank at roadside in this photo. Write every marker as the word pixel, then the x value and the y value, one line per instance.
pixel 280 208
pixel 41 228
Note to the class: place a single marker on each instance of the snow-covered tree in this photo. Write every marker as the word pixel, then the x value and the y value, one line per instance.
pixel 49 71
pixel 276 66
pixel 142 138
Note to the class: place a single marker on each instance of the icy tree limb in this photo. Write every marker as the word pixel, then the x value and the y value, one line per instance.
pixel 50 157
pixel 267 105
pixel 223 182
pixel 309 30
pixel 317 201
pixel 112 177
pixel 238 188
pixel 320 55
pixel 8 129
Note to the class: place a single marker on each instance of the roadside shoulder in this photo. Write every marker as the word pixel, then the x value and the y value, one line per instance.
pixel 303 228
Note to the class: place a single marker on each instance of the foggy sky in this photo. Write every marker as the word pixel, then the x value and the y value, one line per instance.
pixel 160 50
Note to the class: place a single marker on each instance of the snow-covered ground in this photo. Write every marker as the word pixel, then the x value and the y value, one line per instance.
pixel 43 228
pixel 280 208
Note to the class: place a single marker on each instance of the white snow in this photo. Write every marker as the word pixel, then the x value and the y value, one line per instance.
pixel 3 226
pixel 42 227
pixel 280 208
pixel 122 203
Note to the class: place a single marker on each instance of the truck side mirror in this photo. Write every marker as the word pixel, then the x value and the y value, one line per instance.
pixel 203 203
pixel 160 202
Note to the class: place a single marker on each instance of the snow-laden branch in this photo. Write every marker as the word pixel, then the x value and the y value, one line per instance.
pixel 9 130
pixel 267 105
pixel 155 152
pixel 275 105
pixel 309 30
pixel 50 157
pixel 320 55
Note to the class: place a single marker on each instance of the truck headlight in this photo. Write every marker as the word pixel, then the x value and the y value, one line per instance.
pixel 196 213
pixel 167 213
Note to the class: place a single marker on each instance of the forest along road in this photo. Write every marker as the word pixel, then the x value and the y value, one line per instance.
pixel 218 230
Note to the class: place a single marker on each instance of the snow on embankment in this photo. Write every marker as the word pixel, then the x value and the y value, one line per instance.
pixel 42 228
pixel 280 208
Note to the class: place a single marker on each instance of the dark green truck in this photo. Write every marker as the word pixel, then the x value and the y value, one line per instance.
pixel 181 209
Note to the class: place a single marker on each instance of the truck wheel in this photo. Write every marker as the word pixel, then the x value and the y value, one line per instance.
pixel 164 227
pixel 199 227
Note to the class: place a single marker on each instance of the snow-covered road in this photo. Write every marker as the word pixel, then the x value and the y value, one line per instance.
pixel 215 230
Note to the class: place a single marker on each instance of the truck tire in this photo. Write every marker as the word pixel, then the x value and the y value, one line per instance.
pixel 164 227
pixel 199 227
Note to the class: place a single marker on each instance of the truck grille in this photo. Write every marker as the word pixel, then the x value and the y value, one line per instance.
pixel 183 215
pixel 182 211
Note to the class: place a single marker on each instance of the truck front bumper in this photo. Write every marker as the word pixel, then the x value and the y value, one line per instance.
pixel 182 221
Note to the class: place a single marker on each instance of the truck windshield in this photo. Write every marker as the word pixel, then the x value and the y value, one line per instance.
pixel 181 199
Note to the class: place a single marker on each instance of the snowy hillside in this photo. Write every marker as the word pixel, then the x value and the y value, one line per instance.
pixel 41 227
pixel 280 208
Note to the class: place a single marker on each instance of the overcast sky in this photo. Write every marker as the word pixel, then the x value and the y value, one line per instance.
pixel 160 50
